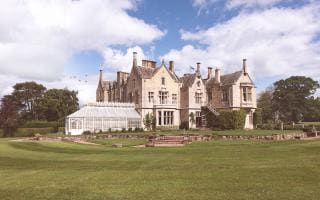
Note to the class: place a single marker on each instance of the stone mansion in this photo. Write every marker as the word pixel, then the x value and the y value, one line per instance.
pixel 171 99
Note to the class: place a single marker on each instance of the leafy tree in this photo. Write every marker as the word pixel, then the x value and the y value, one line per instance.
pixel 291 96
pixel 28 96
pixel 149 121
pixel 9 115
pixel 265 104
pixel 56 104
pixel 313 112
pixel 192 119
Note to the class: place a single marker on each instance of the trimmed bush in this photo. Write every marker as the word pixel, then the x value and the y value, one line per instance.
pixel 257 116
pixel 231 119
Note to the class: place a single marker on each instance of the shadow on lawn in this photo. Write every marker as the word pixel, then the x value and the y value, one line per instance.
pixel 38 147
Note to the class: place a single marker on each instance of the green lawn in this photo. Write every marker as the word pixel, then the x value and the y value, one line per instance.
pixel 124 142
pixel 212 170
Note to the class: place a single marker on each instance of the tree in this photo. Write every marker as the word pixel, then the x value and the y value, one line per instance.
pixel 9 115
pixel 291 96
pixel 313 112
pixel 265 104
pixel 56 104
pixel 149 121
pixel 28 96
pixel 192 119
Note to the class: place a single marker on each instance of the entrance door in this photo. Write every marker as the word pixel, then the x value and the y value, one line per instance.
pixel 198 119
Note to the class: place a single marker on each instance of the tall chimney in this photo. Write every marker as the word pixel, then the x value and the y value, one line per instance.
pixel 209 72
pixel 134 59
pixel 198 67
pixel 100 76
pixel 244 66
pixel 171 66
pixel 217 75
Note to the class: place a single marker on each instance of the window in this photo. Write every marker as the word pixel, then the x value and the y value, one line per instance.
pixel 225 95
pixel 134 83
pixel 174 98
pixel 159 118
pixel 163 97
pixel 150 97
pixel 246 93
pixel 198 97
pixel 198 83
pixel 163 81
pixel 168 118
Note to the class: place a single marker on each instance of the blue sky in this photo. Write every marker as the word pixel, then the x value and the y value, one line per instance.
pixel 53 42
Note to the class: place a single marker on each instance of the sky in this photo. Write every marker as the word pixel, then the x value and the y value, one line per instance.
pixel 64 43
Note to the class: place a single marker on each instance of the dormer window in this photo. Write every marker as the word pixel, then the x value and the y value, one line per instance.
pixel 163 81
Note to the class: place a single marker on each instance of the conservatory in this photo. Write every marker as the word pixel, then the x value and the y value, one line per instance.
pixel 103 116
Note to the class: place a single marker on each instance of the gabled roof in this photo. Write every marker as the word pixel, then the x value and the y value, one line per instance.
pixel 148 72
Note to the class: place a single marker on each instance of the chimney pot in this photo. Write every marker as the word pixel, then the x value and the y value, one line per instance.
pixel 171 66
pixel 209 72
pixel 198 66
pixel 217 75
pixel 244 66
pixel 134 59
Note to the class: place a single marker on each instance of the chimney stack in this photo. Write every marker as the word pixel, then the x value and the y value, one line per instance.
pixel 217 75
pixel 100 77
pixel 171 66
pixel 244 66
pixel 198 67
pixel 134 59
pixel 209 72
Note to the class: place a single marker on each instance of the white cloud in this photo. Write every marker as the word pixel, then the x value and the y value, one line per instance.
pixel 38 37
pixel 251 3
pixel 276 42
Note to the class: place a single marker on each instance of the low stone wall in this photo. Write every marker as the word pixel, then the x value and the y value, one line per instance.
pixel 288 136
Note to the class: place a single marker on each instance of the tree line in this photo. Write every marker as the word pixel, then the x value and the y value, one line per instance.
pixel 31 101
pixel 289 100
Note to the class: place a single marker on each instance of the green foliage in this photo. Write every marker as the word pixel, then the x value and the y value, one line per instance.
pixel 86 133
pixel 56 104
pixel 149 121
pixel 257 116
pixel 61 129
pixel 232 119
pixel 264 103
pixel 192 119
pixel 9 115
pixel 28 95
pixel 291 96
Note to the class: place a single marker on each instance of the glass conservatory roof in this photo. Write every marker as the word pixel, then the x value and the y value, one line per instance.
pixel 107 110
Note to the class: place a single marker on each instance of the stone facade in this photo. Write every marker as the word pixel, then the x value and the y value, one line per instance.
pixel 172 99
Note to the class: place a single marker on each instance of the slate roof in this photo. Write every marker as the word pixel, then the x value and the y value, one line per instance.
pixel 187 80
pixel 227 79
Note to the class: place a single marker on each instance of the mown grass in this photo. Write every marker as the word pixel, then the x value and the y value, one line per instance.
pixel 124 142
pixel 212 170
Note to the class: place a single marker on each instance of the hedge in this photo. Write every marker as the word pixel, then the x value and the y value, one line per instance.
pixel 287 127
pixel 41 124
pixel 232 119
pixel 28 132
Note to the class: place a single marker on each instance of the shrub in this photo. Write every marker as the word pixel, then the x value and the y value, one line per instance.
pixel 231 119
pixel 61 129
pixel 130 129
pixel 123 130
pixel 86 132
pixel 137 129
